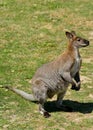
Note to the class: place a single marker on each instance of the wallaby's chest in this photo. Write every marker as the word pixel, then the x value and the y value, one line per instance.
pixel 76 66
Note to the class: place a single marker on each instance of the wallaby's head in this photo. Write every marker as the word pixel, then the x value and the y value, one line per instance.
pixel 76 40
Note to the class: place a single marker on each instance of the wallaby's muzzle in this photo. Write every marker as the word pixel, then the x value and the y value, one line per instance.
pixel 83 43
pixel 86 43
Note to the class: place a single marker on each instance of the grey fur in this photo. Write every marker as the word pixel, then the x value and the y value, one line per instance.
pixel 54 77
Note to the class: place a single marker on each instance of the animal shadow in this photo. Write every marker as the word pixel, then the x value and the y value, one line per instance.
pixel 70 106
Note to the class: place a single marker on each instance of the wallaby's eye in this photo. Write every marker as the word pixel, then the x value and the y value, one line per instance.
pixel 78 39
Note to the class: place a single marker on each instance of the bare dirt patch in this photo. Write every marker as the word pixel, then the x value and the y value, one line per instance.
pixel 87 60
pixel 80 119
pixel 91 34
pixel 85 79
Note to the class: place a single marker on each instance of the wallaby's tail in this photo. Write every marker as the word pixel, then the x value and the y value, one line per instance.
pixel 23 94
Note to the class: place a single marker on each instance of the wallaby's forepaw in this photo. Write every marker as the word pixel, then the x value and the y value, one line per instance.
pixel 76 87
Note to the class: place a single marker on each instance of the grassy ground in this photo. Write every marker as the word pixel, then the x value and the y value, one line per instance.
pixel 32 32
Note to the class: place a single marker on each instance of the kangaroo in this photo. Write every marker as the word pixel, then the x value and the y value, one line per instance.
pixel 54 77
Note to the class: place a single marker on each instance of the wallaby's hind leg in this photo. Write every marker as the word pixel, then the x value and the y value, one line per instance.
pixel 60 104
pixel 40 93
pixel 60 97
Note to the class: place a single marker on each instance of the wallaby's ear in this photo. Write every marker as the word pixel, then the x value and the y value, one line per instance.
pixel 73 33
pixel 69 35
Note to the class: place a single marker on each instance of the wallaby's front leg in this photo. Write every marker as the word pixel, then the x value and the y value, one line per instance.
pixel 67 77
pixel 77 79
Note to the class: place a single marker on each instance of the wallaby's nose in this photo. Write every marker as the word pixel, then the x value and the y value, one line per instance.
pixel 86 42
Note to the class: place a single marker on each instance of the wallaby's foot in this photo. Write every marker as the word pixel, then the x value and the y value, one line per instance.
pixel 65 108
pixel 46 114
pixel 43 111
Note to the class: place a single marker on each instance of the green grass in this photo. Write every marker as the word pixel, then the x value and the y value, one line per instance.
pixel 33 33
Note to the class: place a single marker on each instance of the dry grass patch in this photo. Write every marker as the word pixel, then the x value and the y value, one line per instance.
pixel 33 33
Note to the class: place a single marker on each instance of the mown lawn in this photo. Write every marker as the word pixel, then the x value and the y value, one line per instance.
pixel 32 32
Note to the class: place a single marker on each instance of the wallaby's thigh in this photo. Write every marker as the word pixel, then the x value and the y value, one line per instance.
pixel 40 91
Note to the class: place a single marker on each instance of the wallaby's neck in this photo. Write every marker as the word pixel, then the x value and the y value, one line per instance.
pixel 73 50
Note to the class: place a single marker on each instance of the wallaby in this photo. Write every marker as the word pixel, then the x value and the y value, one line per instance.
pixel 54 77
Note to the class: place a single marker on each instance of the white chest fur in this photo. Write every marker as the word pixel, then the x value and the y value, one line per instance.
pixel 77 64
